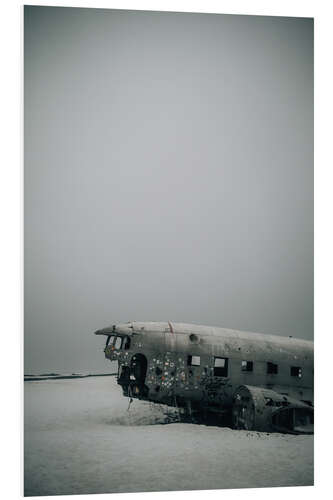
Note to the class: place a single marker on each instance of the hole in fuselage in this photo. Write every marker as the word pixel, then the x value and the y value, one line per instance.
pixel 138 368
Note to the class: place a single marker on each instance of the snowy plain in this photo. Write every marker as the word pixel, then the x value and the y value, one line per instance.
pixel 81 438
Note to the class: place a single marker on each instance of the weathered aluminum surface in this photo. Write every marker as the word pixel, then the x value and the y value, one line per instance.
pixel 166 346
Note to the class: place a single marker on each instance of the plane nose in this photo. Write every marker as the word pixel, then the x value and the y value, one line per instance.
pixel 106 331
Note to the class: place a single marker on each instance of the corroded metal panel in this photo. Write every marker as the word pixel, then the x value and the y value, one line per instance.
pixel 178 360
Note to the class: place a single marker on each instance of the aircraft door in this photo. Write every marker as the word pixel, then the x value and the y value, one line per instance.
pixel 138 368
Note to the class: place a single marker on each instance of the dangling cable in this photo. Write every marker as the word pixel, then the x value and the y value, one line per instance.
pixel 130 397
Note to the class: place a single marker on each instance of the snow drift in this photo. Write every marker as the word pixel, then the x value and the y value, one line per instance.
pixel 81 438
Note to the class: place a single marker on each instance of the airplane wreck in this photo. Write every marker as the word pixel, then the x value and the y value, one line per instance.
pixel 255 381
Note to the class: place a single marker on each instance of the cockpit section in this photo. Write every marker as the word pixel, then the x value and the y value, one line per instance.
pixel 115 344
pixel 121 346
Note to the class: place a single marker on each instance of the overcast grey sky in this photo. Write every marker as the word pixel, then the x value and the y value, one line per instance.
pixel 168 176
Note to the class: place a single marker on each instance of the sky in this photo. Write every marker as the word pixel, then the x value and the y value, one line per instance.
pixel 168 175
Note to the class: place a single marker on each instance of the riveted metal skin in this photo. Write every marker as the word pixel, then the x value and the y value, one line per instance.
pixel 176 364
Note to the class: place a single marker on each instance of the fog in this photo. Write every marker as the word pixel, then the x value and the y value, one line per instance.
pixel 168 176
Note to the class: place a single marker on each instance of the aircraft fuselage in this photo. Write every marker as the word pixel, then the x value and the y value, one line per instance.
pixel 204 368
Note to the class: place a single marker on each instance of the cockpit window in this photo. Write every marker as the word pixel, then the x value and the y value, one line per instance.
pixel 110 340
pixel 127 343
pixel 119 341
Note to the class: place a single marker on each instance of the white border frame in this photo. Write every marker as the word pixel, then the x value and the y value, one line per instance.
pixel 11 196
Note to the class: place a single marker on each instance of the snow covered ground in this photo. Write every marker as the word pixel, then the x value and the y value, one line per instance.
pixel 80 438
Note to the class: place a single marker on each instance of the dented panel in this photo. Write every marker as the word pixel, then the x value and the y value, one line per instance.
pixel 200 368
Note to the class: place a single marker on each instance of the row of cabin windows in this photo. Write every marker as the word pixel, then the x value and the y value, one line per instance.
pixel 221 367
pixel 119 342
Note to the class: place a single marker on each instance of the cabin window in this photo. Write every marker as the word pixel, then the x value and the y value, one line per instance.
pixel 247 366
pixel 220 367
pixel 272 368
pixel 193 360
pixel 296 371
pixel 119 341
pixel 127 343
